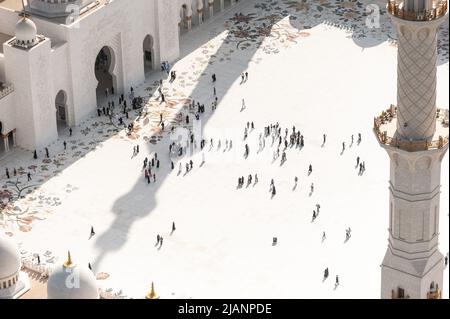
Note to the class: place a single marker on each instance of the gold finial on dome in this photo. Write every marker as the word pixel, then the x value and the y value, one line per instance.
pixel 152 294
pixel 68 263
pixel 24 12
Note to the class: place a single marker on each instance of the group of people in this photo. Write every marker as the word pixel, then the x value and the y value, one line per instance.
pixel 165 66
pixel 244 77
pixel 147 167
pixel 241 180
pixel 160 239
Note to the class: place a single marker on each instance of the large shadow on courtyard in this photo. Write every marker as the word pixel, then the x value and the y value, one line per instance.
pixel 257 29
pixel 249 29
pixel 253 29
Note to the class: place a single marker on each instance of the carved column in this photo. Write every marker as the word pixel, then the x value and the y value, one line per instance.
pixel 416 77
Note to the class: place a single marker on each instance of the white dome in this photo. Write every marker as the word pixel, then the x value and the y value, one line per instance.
pixel 71 281
pixel 9 257
pixel 25 30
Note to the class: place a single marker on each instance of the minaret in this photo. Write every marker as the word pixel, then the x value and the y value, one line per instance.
pixel 415 135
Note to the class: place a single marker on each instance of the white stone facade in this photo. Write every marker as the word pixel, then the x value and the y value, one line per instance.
pixel 63 61
pixel 413 265
pixel 413 260
pixel 416 81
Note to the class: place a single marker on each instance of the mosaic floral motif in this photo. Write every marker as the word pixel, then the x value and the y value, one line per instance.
pixel 266 29
pixel 102 276
pixel 22 214
pixel 22 202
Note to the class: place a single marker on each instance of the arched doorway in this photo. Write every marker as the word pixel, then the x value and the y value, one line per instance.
pixel 149 56
pixel 61 110
pixel 104 67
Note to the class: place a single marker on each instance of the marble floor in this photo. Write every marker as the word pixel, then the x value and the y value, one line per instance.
pixel 313 65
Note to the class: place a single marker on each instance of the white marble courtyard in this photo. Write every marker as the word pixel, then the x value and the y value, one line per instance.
pixel 322 79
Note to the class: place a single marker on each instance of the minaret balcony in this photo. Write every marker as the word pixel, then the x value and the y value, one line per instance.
pixel 397 9
pixel 385 127
pixel 5 89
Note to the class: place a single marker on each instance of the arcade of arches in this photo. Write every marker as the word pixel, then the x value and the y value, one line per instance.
pixel 105 64
pixel 191 17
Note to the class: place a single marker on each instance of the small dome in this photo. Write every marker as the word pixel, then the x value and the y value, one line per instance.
pixel 9 257
pixel 71 281
pixel 25 30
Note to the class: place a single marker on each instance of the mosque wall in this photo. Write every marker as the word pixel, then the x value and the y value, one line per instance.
pixel 30 72
pixel 166 17
pixel 17 69
pixel 2 68
pixel 61 78
pixel 66 61
pixel 122 28
pixel 8 20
